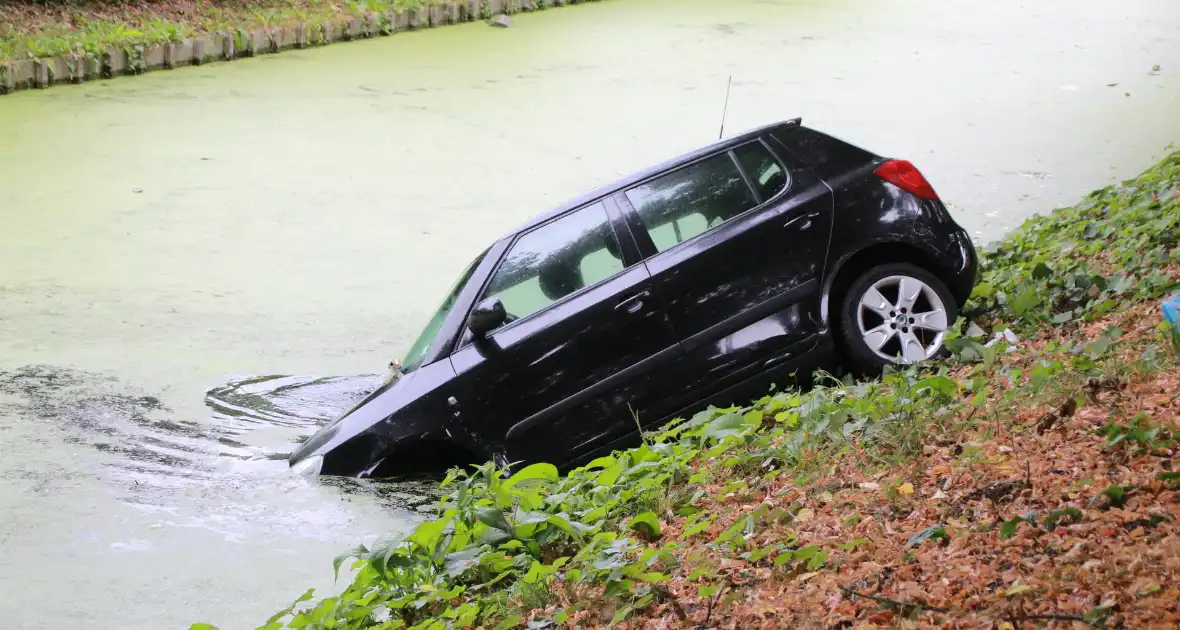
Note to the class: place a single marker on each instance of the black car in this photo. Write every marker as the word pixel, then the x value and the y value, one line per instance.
pixel 702 280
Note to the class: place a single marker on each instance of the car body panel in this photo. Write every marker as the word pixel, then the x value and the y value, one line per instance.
pixel 812 354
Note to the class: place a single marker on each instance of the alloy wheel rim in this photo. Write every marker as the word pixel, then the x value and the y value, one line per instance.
pixel 902 319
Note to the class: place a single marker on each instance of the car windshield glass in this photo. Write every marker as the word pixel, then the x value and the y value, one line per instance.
pixel 422 345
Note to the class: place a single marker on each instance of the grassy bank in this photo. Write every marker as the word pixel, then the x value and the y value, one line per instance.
pixel 1019 485
pixel 39 30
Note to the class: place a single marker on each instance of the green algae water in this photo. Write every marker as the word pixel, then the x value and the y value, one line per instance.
pixel 172 245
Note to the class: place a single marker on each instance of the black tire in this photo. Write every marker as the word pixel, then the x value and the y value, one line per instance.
pixel 858 357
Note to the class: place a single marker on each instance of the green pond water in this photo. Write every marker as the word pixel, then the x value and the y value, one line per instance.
pixel 163 239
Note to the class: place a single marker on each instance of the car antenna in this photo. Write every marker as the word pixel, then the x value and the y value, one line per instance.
pixel 726 108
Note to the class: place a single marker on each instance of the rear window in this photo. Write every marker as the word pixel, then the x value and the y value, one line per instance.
pixel 769 177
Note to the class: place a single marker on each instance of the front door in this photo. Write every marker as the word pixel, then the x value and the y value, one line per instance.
pixel 737 245
pixel 583 336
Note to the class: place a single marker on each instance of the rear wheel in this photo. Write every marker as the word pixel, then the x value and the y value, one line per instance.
pixel 896 313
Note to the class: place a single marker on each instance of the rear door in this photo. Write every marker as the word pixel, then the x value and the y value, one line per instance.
pixel 584 336
pixel 737 243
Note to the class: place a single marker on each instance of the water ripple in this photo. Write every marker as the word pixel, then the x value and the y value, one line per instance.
pixel 152 453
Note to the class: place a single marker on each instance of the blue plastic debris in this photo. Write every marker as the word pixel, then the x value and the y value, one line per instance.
pixel 1172 309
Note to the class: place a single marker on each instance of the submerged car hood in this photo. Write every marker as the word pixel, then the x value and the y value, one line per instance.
pixel 378 406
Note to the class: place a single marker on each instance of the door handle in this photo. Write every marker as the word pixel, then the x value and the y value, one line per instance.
pixel 806 221
pixel 633 303
pixel 453 405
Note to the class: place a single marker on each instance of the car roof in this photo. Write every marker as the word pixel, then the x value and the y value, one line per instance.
pixel 643 174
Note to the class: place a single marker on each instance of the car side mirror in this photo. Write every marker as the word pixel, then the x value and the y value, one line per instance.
pixel 487 316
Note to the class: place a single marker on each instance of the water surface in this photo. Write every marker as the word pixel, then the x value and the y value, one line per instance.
pixel 169 242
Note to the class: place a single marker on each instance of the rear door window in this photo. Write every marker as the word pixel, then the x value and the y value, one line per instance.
pixel 691 200
pixel 555 261
pixel 768 176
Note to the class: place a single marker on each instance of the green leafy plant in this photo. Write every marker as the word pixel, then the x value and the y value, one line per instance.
pixel 1140 431
pixel 936 533
pixel 1116 495
pixel 646 523
pixel 1008 528
pixel 1071 514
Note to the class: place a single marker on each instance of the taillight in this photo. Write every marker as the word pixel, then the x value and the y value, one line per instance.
pixel 907 177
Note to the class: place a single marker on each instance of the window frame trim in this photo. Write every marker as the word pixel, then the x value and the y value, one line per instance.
pixel 629 252
pixel 639 230
pixel 746 177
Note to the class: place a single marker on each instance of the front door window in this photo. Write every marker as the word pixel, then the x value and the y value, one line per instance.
pixel 556 260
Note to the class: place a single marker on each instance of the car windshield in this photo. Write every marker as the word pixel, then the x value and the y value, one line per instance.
pixel 422 345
